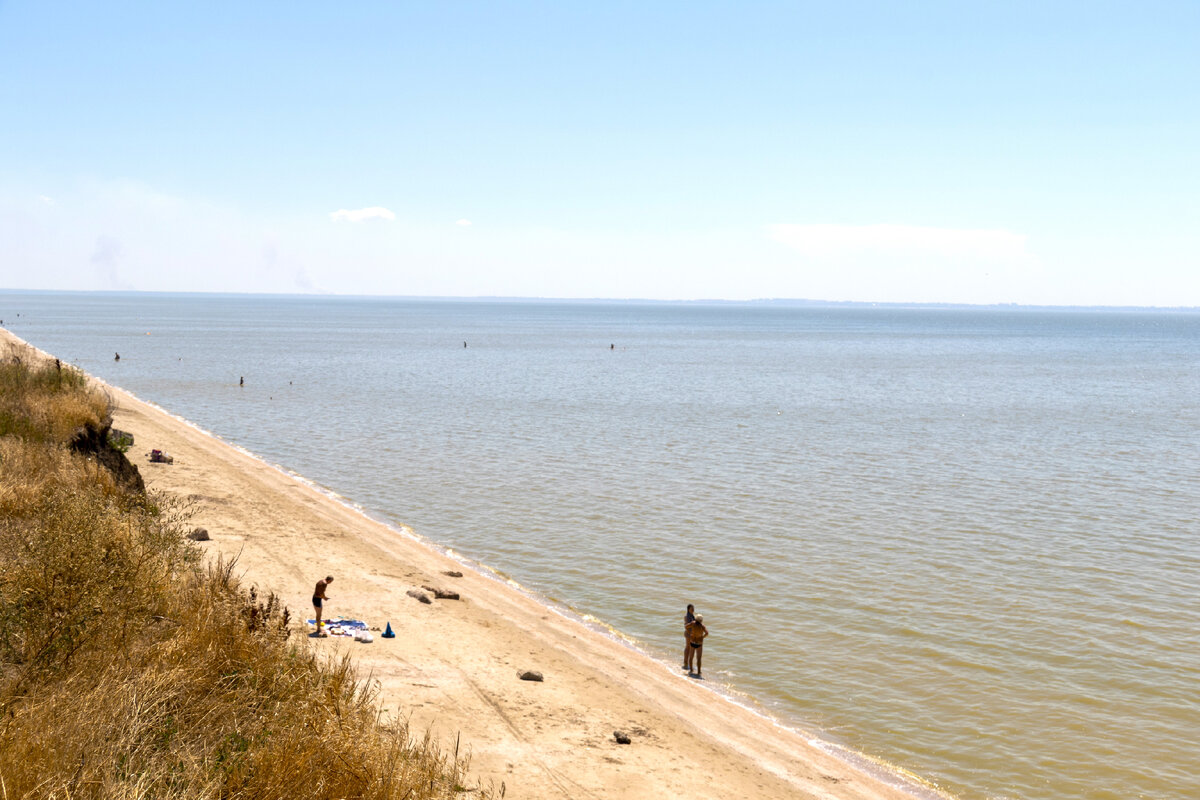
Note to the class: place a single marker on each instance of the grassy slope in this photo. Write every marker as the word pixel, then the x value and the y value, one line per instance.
pixel 129 669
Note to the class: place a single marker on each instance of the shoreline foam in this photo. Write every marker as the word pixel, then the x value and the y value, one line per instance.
pixel 816 767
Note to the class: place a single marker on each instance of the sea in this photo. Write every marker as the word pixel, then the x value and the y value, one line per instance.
pixel 963 543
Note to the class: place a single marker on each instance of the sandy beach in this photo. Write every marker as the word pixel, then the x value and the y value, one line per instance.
pixel 453 666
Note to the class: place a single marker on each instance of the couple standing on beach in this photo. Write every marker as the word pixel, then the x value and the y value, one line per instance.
pixel 693 634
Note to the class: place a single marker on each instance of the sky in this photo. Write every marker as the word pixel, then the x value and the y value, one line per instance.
pixel 1037 153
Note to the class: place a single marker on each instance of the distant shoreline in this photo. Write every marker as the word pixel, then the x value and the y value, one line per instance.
pixel 632 301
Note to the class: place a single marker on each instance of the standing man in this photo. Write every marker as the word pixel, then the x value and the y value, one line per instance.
pixel 696 639
pixel 689 619
pixel 319 599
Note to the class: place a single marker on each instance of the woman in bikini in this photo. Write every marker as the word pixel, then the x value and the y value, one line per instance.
pixel 696 636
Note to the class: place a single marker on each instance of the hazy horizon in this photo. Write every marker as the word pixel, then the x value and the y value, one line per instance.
pixel 778 301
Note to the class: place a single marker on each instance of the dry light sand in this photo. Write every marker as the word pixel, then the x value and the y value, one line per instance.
pixel 452 668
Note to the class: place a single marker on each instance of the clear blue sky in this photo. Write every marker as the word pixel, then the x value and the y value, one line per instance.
pixel 941 152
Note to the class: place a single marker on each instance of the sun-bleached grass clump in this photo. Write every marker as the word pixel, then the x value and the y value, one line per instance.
pixel 130 669
pixel 46 401
pixel 81 563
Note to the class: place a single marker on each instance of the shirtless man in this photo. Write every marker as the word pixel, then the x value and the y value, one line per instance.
pixel 689 619
pixel 319 598
pixel 696 636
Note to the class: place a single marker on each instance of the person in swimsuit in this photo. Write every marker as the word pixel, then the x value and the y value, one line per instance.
pixel 319 599
pixel 696 636
pixel 689 618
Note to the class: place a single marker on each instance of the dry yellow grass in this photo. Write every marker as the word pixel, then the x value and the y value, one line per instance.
pixel 211 701
pixel 45 401
pixel 128 669
pixel 32 471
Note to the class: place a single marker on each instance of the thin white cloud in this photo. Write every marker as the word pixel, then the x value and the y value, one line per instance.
pixel 825 241
pixel 361 214
pixel 464 222
pixel 45 200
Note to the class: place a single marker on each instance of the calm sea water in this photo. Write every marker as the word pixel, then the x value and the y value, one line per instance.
pixel 965 542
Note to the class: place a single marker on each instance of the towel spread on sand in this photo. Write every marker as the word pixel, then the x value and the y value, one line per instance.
pixel 341 627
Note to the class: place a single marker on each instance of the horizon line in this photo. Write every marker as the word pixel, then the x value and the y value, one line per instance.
pixel 760 301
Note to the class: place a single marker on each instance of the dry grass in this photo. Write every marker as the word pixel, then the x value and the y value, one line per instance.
pixel 211 701
pixel 127 669
pixel 44 401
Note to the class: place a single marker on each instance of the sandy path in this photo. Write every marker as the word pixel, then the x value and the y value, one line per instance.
pixel 452 667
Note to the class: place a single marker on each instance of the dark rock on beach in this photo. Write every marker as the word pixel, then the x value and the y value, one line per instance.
pixel 199 535
pixel 419 595
pixel 441 594
pixel 453 573
pixel 621 737
pixel 529 675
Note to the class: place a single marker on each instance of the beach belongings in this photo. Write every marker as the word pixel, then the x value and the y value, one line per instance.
pixel 419 595
pixel 160 457
pixel 199 535
pixel 363 636
pixel 621 737
pixel 387 634
pixel 342 627
pixel 453 573
pixel 441 594
pixel 529 675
